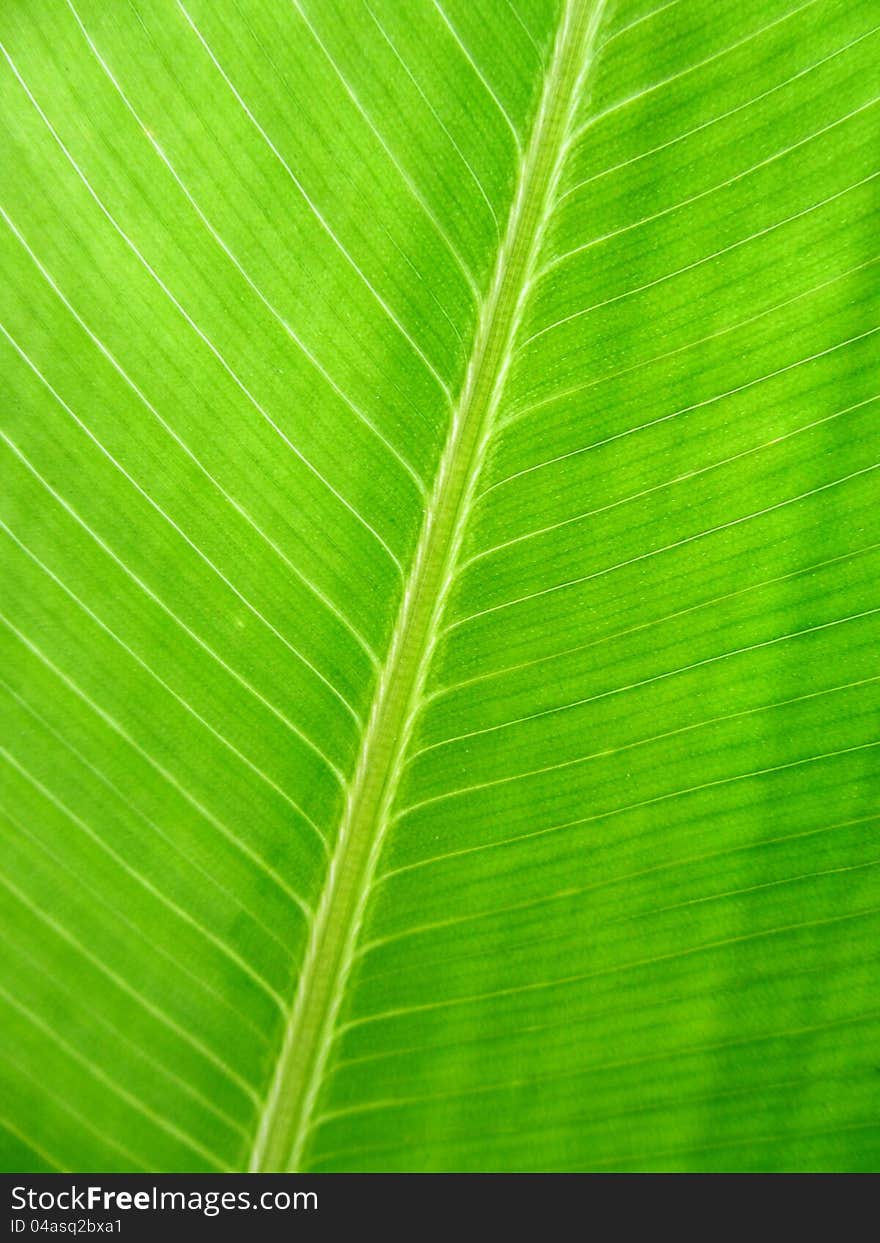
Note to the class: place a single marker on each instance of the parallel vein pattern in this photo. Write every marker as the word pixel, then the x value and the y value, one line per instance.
pixel 440 545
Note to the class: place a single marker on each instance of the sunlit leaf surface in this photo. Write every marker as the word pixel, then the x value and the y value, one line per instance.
pixel 440 557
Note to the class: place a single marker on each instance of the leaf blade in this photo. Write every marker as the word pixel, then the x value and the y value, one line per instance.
pixel 573 865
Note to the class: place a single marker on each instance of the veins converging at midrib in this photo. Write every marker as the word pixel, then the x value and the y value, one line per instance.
pixel 289 1110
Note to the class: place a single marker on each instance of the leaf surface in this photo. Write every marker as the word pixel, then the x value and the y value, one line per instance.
pixel 440 546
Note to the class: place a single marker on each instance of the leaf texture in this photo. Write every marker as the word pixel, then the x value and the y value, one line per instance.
pixel 440 545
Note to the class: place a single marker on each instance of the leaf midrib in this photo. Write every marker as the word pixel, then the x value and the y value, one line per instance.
pixel 288 1113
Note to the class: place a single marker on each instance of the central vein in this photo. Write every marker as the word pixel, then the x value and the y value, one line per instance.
pixel 308 1037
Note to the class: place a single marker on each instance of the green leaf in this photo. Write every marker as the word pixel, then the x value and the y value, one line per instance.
pixel 440 547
